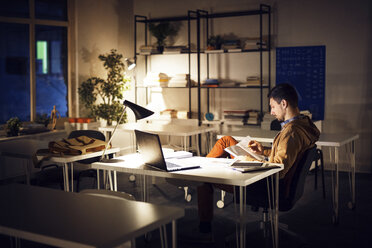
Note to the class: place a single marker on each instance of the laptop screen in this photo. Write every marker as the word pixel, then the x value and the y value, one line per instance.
pixel 149 147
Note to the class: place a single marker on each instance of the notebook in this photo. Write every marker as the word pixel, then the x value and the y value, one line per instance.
pixel 247 166
pixel 149 147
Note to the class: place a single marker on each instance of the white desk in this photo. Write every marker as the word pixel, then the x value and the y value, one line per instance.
pixel 25 149
pixel 22 149
pixel 68 160
pixel 62 219
pixel 209 172
pixel 167 130
pixel 333 141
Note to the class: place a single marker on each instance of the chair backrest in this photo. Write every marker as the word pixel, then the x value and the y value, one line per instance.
pixel 275 125
pixel 89 133
pixel 298 182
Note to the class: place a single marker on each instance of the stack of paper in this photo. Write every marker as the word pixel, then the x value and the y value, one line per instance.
pixel 156 79
pixel 179 80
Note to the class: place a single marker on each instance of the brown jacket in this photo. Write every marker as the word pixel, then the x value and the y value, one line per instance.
pixel 290 143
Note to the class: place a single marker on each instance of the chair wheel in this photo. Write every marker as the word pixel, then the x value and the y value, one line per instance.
pixel 132 178
pixel 334 220
pixel 220 204
pixel 188 198
pixel 351 205
pixel 148 237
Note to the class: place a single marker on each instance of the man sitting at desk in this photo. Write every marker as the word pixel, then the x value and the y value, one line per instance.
pixel 298 133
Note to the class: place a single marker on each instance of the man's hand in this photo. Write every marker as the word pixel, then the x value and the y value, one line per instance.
pixel 256 147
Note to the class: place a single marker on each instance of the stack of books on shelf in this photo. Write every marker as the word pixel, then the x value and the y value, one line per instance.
pixel 231 45
pixel 266 121
pixel 147 50
pixel 174 49
pixel 253 118
pixel 168 114
pixel 179 80
pixel 214 51
pixel 156 79
pixel 254 43
pixel 241 117
pixel 211 82
pixel 235 117
pixel 251 81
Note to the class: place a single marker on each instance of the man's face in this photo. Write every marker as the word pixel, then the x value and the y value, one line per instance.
pixel 278 109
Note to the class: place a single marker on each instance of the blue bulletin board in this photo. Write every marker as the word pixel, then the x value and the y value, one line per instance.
pixel 304 68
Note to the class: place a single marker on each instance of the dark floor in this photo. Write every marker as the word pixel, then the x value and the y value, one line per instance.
pixel 309 223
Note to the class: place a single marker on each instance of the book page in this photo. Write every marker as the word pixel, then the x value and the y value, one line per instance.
pixel 241 149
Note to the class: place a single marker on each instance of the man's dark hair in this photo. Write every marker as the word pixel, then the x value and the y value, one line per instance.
pixel 284 92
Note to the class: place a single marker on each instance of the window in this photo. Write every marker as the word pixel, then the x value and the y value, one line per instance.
pixel 14 72
pixel 21 94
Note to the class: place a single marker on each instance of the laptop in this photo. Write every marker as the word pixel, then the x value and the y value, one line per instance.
pixel 149 147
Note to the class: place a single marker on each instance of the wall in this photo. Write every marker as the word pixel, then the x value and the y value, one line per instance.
pixel 344 27
pixel 100 27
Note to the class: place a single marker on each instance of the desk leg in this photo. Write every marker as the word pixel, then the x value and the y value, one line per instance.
pixel 28 170
pixel 65 177
pixel 115 182
pixel 144 191
pixel 276 211
pixel 197 144
pixel 335 186
pixel 352 161
pixel 184 143
pixel 163 236
pixel 174 234
pixel 242 212
pixel 98 181
pixel 72 176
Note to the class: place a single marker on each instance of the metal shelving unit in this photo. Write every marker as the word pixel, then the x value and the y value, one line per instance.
pixel 264 10
pixel 198 16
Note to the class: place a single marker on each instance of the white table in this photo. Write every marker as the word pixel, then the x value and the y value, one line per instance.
pixel 167 130
pixel 25 149
pixel 62 219
pixel 22 149
pixel 68 160
pixel 333 141
pixel 209 172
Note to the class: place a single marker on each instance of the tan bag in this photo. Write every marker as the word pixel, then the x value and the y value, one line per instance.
pixel 76 146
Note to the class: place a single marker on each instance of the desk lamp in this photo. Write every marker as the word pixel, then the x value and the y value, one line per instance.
pixel 139 113
pixel 130 64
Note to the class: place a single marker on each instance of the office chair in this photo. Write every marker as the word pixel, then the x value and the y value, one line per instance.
pixel 275 125
pixel 87 172
pixel 290 191
pixel 126 197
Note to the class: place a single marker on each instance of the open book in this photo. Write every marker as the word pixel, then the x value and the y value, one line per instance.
pixel 241 149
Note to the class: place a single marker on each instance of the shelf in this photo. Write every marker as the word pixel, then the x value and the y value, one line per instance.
pixel 205 52
pixel 236 87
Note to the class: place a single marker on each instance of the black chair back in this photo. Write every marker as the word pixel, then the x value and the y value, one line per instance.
pixel 275 125
pixel 298 181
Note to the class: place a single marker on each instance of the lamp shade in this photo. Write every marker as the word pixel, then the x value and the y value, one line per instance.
pixel 130 64
pixel 139 112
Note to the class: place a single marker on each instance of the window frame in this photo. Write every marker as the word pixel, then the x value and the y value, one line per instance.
pixel 32 22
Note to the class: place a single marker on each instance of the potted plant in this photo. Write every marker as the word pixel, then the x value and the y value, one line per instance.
pixel 161 31
pixel 12 126
pixel 103 97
